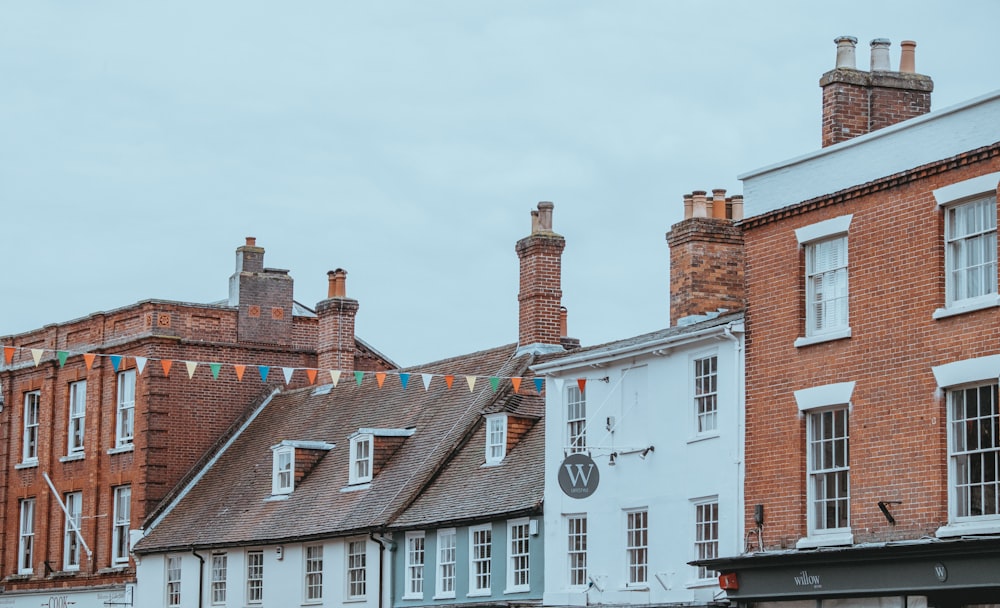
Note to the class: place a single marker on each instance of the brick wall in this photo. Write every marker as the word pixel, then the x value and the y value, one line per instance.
pixel 856 102
pixel 540 293
pixel 898 443
pixel 706 267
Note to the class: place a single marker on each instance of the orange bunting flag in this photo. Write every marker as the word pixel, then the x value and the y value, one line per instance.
pixel 89 359
pixel 448 380
pixel 8 354
pixel 517 384
pixel 239 371
pixel 380 378
pixel 582 383
pixel 166 363
pixel 311 374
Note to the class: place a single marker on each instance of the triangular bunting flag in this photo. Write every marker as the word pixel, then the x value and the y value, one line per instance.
pixel 448 380
pixel 311 375
pixel 116 360
pixel 239 369
pixel 380 378
pixel 36 354
pixel 427 380
pixel 404 379
pixel 335 377
pixel 215 367
pixel 263 369
pixel 539 383
pixel 582 383
pixel 472 382
pixel 8 354
pixel 89 359
pixel 494 383
pixel 559 384
pixel 167 364
pixel 358 377
pixel 517 384
pixel 140 363
pixel 191 366
pixel 61 355
pixel 288 371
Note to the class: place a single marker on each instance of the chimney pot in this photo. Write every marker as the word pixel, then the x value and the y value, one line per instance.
pixel 907 63
pixel 331 278
pixel 688 205
pixel 545 216
pixel 563 332
pixel 880 55
pixel 719 203
pixel 845 52
pixel 737 207
pixel 700 206
pixel 251 241
pixel 534 221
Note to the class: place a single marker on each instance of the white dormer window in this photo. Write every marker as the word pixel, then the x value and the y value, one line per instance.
pixel 496 438
pixel 283 478
pixel 361 459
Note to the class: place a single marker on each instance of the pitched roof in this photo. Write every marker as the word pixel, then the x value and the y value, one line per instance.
pixel 228 505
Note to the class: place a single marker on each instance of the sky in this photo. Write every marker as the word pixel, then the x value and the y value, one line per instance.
pixel 407 142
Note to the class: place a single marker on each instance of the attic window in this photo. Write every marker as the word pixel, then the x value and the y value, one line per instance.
pixel 291 461
pixel 496 438
pixel 361 459
pixel 283 469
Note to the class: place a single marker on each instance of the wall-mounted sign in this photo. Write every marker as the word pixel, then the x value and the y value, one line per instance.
pixel 578 476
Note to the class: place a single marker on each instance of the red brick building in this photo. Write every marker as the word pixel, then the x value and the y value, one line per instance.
pixel 873 354
pixel 111 411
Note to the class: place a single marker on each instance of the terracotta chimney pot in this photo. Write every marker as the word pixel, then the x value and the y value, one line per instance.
pixel 331 278
pixel 719 203
pixel 562 321
pixel 251 241
pixel 688 206
pixel 907 64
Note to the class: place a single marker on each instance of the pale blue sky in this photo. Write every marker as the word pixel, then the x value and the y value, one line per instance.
pixel 407 142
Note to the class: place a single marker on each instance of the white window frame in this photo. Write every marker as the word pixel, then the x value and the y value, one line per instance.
pixel 125 409
pixel 948 199
pixel 71 531
pixel 357 569
pixel 518 555
pixel 362 458
pixel 282 469
pixel 77 417
pixel 480 560
pixel 705 380
pixel 173 581
pixel 576 419
pixel 809 237
pixel 962 457
pixel 828 467
pixel 26 537
pixel 313 569
pixel 706 535
pixel 576 551
pixel 447 551
pixel 220 567
pixel 32 412
pixel 255 577
pixel 637 548
pixel 415 561
pixel 496 438
pixel 122 497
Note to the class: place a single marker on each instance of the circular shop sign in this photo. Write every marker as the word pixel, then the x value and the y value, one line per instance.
pixel 578 476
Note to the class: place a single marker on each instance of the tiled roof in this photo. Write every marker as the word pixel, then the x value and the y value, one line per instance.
pixel 228 506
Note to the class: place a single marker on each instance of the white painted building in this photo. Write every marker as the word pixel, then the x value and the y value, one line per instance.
pixel 661 417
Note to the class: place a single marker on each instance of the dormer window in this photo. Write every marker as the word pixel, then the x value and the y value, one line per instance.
pixel 291 461
pixel 361 459
pixel 282 480
pixel 496 438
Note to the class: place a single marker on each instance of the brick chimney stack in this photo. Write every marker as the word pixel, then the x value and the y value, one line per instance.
pixel 335 347
pixel 263 296
pixel 540 296
pixel 706 257
pixel 856 102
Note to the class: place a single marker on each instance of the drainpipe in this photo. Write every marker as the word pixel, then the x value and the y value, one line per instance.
pixel 382 586
pixel 201 578
pixel 738 384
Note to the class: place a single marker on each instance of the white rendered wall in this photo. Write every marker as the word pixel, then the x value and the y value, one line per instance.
pixel 683 467
pixel 909 144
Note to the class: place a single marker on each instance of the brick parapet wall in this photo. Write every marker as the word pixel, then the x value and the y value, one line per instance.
pixel 706 267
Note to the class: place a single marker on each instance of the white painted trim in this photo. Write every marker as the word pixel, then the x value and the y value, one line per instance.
pixel 305 445
pixel 824 396
pixel 383 432
pixel 840 334
pixel 990 300
pixel 824 229
pixel 968 370
pixel 836 539
pixel 984 184
pixel 988 526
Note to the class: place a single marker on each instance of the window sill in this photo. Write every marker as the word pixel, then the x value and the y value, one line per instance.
pixel 355 600
pixel 356 487
pixel 28 464
pixel 413 597
pixel 276 497
pixel 704 436
pixel 836 539
pixel 480 593
pixel 970 305
pixel 517 590
pixel 840 334
pixel 491 464
pixel 72 457
pixel 969 528
pixel 122 449
pixel 448 596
